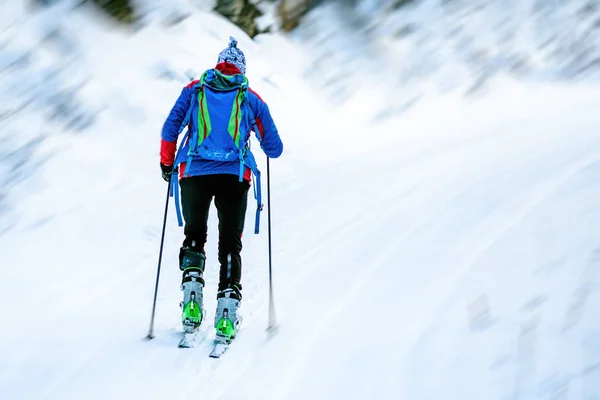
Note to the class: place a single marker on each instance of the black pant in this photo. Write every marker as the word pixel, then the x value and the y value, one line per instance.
pixel 231 200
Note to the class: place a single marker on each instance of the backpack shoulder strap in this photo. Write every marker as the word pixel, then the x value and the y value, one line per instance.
pixel 196 88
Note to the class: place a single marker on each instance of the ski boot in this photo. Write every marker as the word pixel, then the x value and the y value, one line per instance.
pixel 227 317
pixel 192 283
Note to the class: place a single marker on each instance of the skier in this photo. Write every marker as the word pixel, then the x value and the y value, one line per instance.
pixel 222 114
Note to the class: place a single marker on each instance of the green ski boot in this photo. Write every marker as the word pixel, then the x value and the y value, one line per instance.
pixel 227 317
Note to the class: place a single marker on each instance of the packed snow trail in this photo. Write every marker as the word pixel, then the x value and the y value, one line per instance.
pixel 452 252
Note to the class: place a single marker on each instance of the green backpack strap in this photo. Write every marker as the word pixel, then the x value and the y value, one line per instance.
pixel 203 122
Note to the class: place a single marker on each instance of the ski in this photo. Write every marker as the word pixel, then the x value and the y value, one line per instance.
pixel 220 347
pixel 188 339
pixel 192 339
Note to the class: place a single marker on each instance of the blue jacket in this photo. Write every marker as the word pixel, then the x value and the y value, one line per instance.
pixel 269 139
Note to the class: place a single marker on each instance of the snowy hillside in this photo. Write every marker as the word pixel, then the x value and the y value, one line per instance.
pixel 450 252
pixel 438 46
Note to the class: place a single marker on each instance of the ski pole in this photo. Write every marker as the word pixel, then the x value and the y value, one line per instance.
pixel 162 242
pixel 272 321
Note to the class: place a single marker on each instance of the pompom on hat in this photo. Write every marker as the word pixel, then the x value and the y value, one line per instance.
pixel 233 55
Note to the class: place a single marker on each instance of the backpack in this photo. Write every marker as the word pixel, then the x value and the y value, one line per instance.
pixel 206 143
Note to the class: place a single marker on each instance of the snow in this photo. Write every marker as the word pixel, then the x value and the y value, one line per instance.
pixel 451 251
pixel 437 46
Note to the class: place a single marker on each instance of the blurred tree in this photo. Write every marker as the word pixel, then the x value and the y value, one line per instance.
pixel 291 12
pixel 242 13
pixel 245 12
pixel 121 10
pixel 400 3
pixel 230 8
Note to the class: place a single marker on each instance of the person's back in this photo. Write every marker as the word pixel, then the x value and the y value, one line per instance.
pixel 220 111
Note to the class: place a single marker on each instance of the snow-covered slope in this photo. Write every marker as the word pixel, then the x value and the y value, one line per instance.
pixel 438 46
pixel 452 252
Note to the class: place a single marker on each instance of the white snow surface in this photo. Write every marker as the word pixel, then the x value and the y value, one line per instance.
pixel 452 252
